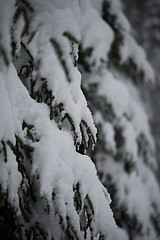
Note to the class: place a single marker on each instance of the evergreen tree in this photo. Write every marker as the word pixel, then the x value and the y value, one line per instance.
pixel 49 188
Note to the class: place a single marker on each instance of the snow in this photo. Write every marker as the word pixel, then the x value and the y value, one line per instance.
pixel 56 170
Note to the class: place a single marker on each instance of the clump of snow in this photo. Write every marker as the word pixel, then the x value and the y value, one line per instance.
pixel 108 131
pixel 100 43
pixel 131 50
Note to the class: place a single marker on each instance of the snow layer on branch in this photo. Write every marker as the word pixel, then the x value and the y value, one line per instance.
pixel 52 46
pixel 69 94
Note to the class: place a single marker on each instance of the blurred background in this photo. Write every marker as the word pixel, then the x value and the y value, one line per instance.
pixel 144 17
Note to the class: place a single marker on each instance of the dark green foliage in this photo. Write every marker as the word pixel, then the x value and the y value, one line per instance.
pixel 36 232
pixel 118 38
pixel 67 116
pixel 4 151
pixel 25 9
pixel 133 226
pixel 83 58
pixel 4 55
pixel 26 4
pixel 9 230
pixel 59 53
pixel 155 220
pixel 99 102
pixel 70 231
pixel 119 139
pixel 77 198
pixel 70 37
pixel 89 132
pixel 73 41
pixel 129 165
pixel 144 149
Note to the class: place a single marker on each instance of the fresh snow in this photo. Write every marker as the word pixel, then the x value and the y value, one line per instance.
pixel 58 30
